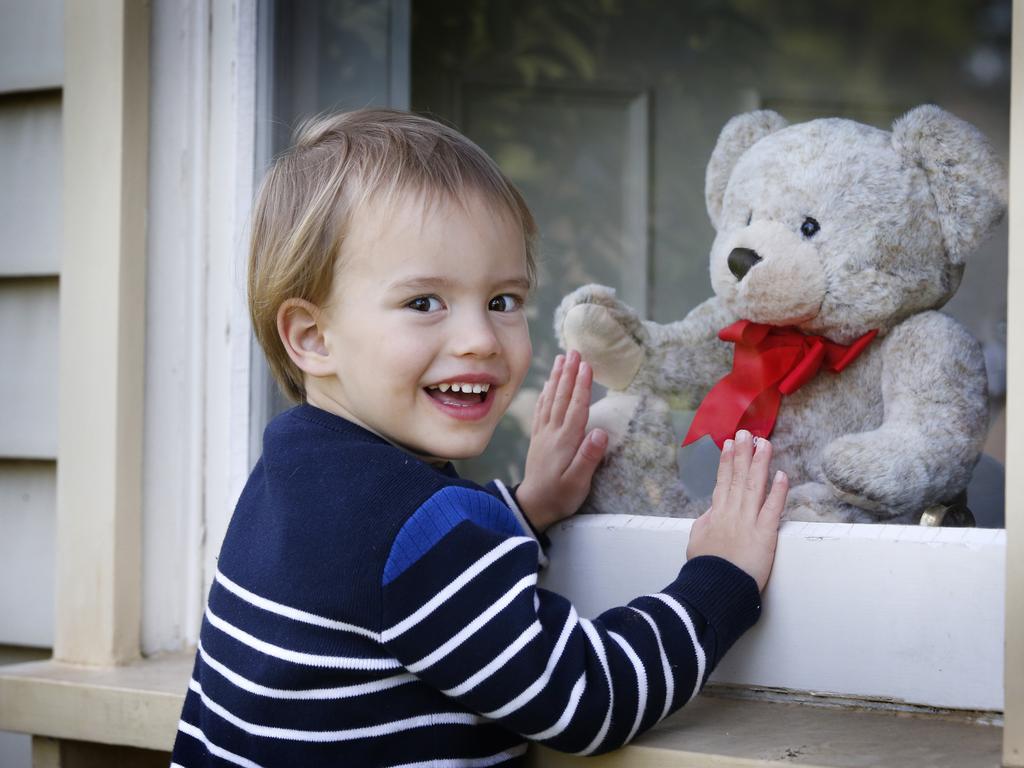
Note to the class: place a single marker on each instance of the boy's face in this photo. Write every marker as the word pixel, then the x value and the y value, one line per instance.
pixel 427 297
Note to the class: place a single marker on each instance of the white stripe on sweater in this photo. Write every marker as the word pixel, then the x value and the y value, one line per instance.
pixel 698 649
pixel 497 663
pixel 670 684
pixel 641 683
pixel 567 714
pixel 288 612
pixel 468 762
pixel 571 622
pixel 298 657
pixel 340 692
pixel 347 734
pixel 463 578
pixel 213 749
pixel 598 646
pixel 512 504
pixel 527 582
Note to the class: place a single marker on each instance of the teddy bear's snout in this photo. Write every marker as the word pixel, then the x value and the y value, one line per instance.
pixel 741 260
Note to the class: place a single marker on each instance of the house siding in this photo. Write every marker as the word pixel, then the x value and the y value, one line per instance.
pixel 31 75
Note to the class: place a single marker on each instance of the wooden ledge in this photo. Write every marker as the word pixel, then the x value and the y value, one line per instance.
pixel 139 706
pixel 136 705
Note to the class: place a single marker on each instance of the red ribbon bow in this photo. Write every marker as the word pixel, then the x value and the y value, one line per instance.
pixel 769 362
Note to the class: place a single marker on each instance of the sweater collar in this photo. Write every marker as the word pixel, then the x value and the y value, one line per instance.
pixel 353 431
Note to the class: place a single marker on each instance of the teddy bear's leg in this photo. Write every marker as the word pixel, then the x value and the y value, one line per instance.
pixel 935 403
pixel 639 475
pixel 817 503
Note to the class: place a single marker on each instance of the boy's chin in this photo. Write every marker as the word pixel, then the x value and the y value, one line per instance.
pixel 442 453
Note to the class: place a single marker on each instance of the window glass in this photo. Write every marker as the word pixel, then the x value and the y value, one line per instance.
pixel 605 112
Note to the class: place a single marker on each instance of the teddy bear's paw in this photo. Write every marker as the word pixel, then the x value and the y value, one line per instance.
pixel 867 471
pixel 613 413
pixel 607 338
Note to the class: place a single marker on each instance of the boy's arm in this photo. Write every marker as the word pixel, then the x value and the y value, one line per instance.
pixel 462 611
pixel 562 457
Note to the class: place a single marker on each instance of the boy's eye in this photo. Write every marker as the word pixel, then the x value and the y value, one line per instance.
pixel 506 302
pixel 425 304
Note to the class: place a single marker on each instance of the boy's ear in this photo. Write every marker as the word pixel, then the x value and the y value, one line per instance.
pixel 298 325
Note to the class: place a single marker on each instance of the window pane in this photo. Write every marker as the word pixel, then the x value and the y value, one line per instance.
pixel 605 114
pixel 318 56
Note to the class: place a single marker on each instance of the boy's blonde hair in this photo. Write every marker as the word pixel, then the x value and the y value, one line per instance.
pixel 338 164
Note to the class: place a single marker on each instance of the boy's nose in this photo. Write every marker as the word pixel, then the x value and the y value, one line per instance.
pixel 476 336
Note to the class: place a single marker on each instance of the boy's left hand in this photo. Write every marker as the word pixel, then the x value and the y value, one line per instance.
pixel 562 456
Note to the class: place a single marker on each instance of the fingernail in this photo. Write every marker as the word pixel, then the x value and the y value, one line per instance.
pixel 742 436
pixel 573 356
pixel 759 443
pixel 599 437
pixel 727 446
pixel 779 476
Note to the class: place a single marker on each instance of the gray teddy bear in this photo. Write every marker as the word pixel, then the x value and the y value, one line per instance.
pixel 836 245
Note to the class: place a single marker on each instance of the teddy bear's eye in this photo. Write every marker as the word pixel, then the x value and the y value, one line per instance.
pixel 810 227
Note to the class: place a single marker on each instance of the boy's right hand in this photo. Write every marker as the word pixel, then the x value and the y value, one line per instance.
pixel 742 525
pixel 563 455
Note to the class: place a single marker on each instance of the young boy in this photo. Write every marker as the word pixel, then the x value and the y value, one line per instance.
pixel 371 608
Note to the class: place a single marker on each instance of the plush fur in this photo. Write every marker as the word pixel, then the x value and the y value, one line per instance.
pixel 900 213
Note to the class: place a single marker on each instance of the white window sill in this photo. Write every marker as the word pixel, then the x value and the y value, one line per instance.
pixel 139 706
pixel 907 614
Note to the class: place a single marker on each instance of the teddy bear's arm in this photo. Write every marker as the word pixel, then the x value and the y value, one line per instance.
pixel 678 361
pixel 686 358
pixel 934 390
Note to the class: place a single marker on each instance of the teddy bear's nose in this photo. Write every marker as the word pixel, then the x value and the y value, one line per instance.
pixel 741 260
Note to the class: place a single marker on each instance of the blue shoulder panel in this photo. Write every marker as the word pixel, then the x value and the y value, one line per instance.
pixel 440 514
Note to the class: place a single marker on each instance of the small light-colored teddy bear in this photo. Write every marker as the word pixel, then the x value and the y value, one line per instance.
pixel 836 245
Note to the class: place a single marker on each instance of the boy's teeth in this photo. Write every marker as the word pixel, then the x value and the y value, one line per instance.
pixel 461 387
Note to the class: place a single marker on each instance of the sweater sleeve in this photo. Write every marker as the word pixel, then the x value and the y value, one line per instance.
pixel 461 610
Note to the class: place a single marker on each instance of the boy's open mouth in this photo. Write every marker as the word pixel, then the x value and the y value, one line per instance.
pixel 458 393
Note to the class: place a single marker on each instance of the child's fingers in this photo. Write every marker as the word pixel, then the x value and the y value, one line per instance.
pixel 771 510
pixel 579 404
pixel 562 394
pixel 538 409
pixel 542 413
pixel 757 478
pixel 587 457
pixel 743 449
pixel 723 481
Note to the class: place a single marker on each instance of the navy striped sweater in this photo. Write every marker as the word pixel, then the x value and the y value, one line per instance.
pixel 371 610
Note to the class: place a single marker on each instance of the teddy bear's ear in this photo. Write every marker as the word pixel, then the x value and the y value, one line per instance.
pixel 966 178
pixel 738 135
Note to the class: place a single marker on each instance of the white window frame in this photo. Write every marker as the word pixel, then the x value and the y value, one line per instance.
pixel 601 562
pixel 198 379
